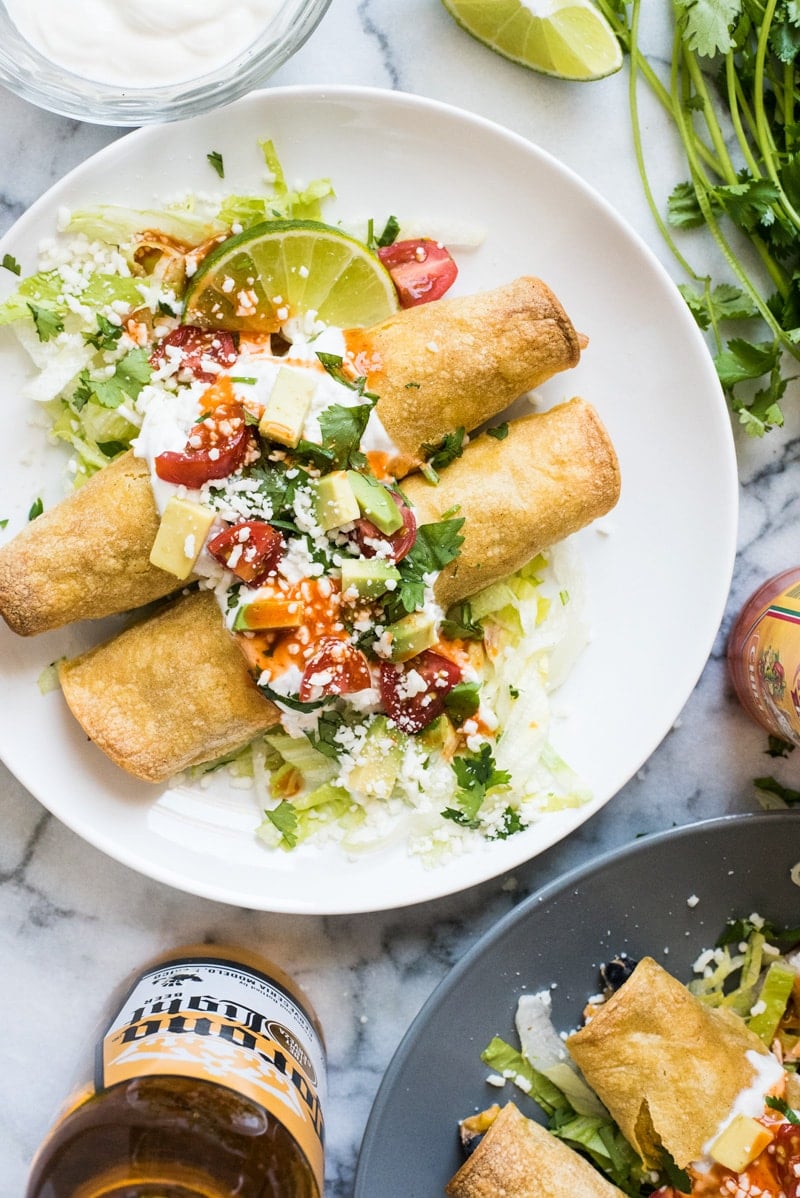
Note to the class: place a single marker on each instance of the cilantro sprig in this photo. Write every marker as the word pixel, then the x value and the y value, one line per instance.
pixel 436 546
pixel 477 774
pixel 733 97
pixel 443 453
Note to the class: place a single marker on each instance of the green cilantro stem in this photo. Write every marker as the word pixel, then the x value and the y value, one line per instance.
pixel 732 96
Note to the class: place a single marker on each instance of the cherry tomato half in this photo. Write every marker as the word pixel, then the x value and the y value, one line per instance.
pixel 421 270
pixel 250 550
pixel 336 668
pixel 787 1158
pixel 199 350
pixel 216 447
pixel 410 711
pixel 401 541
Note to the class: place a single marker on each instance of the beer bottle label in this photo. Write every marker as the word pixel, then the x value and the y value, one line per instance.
pixel 230 1024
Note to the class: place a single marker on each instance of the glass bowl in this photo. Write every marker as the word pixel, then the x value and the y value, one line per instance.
pixel 35 77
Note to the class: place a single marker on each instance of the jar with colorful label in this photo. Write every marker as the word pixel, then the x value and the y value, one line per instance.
pixel 209 1080
pixel 764 656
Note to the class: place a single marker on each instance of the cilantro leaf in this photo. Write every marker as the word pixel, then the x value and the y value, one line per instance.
pixel 435 547
pixel 131 374
pixel 512 823
pixel 342 429
pixel 48 324
pixel 215 159
pixel 459 624
pixel 387 237
pixel 683 208
pixel 4 522
pixel 790 796
pixel 744 360
pixel 284 818
pixel 724 302
pixel 442 453
pixel 779 1104
pixel 499 432
pixel 10 263
pixel 462 701
pixel 107 334
pixel 706 28
pixel 476 773
pixel 36 509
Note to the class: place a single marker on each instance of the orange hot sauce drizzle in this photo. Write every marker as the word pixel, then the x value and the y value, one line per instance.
pixel 320 601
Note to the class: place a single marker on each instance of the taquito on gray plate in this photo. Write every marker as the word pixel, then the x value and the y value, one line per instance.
pixel 518 1158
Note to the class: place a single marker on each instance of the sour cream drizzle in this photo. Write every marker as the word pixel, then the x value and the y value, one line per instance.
pixel 141 43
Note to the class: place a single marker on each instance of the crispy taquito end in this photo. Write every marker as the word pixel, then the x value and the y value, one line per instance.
pixel 167 693
pixel 518 1158
pixel 667 1068
pixel 460 361
pixel 553 474
pixel 86 557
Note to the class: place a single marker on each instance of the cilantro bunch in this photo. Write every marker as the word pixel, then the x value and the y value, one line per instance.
pixel 733 93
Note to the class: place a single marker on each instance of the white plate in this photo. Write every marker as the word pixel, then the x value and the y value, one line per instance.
pixel 658 580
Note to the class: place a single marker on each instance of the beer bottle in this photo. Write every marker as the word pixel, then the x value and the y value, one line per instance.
pixel 208 1082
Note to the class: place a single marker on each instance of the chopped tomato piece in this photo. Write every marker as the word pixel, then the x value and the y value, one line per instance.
pixel 336 668
pixel 411 705
pixel 787 1158
pixel 251 549
pixel 216 447
pixel 421 270
pixel 203 354
pixel 369 537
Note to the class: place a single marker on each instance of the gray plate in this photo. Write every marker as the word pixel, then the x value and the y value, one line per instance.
pixel 634 900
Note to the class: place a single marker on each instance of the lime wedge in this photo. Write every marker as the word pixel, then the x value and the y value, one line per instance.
pixel 259 279
pixel 568 38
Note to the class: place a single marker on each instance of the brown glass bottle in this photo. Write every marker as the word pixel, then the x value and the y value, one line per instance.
pixel 209 1082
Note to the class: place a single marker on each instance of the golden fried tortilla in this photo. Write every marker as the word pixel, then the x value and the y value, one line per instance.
pixel 174 690
pixel 87 557
pixel 460 361
pixel 553 474
pixel 436 367
pixel 518 1158
pixel 167 693
pixel 666 1067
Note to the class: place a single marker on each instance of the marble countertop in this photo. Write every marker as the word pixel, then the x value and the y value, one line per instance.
pixel 73 922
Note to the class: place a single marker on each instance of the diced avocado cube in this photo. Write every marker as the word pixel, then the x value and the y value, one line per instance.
pixel 368 576
pixel 288 406
pixel 376 503
pixel 379 761
pixel 269 613
pixel 411 635
pixel 335 503
pixel 181 535
pixel 440 735
pixel 740 1143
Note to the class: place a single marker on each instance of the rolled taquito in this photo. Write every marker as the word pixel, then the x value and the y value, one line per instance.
pixel 150 703
pixel 88 556
pixel 481 352
pixel 667 1067
pixel 553 474
pixel 518 1158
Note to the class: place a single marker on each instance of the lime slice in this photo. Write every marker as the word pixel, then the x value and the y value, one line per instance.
pixel 568 38
pixel 259 279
